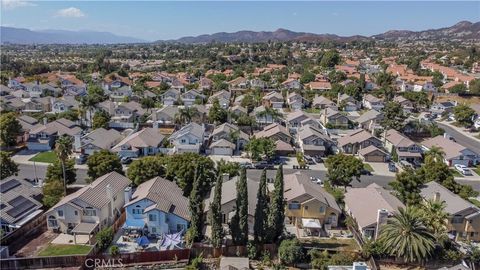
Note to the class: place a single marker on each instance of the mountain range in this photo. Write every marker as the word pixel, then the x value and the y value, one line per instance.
pixel 26 36
pixel 463 30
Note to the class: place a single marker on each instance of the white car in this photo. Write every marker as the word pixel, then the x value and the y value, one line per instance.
pixel 463 169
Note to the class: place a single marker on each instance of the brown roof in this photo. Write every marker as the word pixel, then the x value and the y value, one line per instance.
pixel 398 139
pixel 451 148
pixel 165 195
pixel 356 136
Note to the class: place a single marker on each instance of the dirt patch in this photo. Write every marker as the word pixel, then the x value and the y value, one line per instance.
pixel 32 248
pixel 460 100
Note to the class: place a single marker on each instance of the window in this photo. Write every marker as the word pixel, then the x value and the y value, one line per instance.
pixel 294 206
pixel 154 230
pixel 60 213
pixel 322 209
pixel 137 210
pixel 457 219
pixel 180 227
pixel 89 212
pixel 76 213
pixel 183 141
pixel 152 217
pixel 306 207
pixel 52 222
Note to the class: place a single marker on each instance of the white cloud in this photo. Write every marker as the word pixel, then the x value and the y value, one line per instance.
pixel 12 4
pixel 71 12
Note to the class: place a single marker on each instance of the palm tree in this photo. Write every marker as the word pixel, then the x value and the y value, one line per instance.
pixel 186 114
pixel 88 104
pixel 63 149
pixel 406 236
pixel 435 154
pixel 435 219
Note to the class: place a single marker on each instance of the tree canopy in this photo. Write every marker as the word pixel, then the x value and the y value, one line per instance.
pixel 101 163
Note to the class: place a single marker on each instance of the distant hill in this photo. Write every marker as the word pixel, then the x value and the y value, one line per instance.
pixel 26 36
pixel 461 31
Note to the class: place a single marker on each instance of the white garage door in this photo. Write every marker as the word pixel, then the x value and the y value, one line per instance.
pixel 222 151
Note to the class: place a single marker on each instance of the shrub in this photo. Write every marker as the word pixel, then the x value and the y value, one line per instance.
pixel 114 250
pixel 290 251
pixel 251 250
pixel 104 238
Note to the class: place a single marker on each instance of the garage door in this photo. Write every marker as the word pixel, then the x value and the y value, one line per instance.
pixel 222 151
pixel 374 158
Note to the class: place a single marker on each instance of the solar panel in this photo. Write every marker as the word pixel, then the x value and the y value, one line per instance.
pixel 4 187
pixel 172 208
pixel 20 206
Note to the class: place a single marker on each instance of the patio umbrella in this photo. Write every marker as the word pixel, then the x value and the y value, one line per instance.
pixel 143 241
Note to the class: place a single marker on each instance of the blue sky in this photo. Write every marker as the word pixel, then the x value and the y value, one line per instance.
pixel 153 20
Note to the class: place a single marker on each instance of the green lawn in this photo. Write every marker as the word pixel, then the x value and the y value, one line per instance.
pixel 367 167
pixel 46 157
pixel 477 169
pixel 333 243
pixel 456 173
pixel 475 202
pixel 313 110
pixel 59 250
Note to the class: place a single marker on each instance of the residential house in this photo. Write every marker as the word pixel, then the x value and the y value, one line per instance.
pixel 294 119
pixel 273 100
pixel 262 117
pixel 238 83
pixel 98 139
pixel 372 102
pixel 402 148
pixel 205 84
pixel 283 149
pixel 34 89
pixel 190 97
pixel 222 147
pixel 157 205
pixel 27 123
pixel 333 118
pixel 121 93
pixel 229 195
pixel 90 208
pixel 113 81
pixel 455 153
pixel 61 105
pixel 145 142
pixel 37 105
pixel 321 102
pixel 372 154
pixel 406 104
pixel 12 103
pixel 313 141
pixel 308 205
pixel 319 86
pixel 356 140
pixel 189 138
pixel 463 222
pixel 347 103
pixel 443 107
pixel 370 120
pixel 20 202
pixel 275 132
pixel 257 83
pixel 238 110
pixel 165 115
pixel 223 98
pixel 170 97
pixel 126 115
pixel 370 207
pixel 292 84
pixel 231 133
pixel 42 136
pixel 296 101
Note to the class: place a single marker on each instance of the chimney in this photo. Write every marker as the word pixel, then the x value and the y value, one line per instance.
pixel 77 142
pixel 109 192
pixel 127 193
pixel 45 121
pixel 325 116
pixel 382 216
pixel 225 177
pixel 436 197
pixel 359 266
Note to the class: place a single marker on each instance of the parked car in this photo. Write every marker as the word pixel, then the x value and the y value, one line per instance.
pixel 392 167
pixel 263 165
pixel 365 172
pixel 316 180
pixel 318 159
pixel 405 164
pixel 81 159
pixel 463 169
pixel 309 160
pixel 247 165
pixel 126 160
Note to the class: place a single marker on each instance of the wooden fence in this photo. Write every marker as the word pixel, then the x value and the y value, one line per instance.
pixel 231 251
pixel 18 238
pixel 42 262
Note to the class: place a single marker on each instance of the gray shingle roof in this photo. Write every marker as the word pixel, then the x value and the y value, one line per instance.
pixel 13 188
pixel 454 203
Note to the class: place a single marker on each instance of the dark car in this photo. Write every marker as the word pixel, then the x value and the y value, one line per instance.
pixel 365 172
pixel 318 159
pixel 126 160
pixel 309 160
pixel 81 159
pixel 392 167
pixel 263 165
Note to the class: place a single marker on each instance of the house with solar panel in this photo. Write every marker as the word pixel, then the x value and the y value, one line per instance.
pixel 91 208
pixel 20 203
pixel 157 206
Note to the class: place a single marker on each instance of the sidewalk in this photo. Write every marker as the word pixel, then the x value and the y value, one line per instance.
pixel 24 156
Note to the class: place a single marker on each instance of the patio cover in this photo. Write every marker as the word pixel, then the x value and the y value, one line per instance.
pixel 84 228
pixel 134 224
pixel 311 223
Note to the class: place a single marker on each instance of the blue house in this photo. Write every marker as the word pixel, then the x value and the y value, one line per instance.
pixel 158 206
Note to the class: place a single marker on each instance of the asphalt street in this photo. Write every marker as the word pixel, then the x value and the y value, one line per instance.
pixel 28 172
pixel 461 139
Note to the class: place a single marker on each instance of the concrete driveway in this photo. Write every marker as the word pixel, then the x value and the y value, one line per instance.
pixel 380 168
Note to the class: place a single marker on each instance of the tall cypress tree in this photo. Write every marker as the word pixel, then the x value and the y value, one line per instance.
pixel 216 215
pixel 260 226
pixel 276 218
pixel 239 222
pixel 196 208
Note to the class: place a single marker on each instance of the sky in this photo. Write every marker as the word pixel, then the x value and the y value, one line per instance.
pixel 161 20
